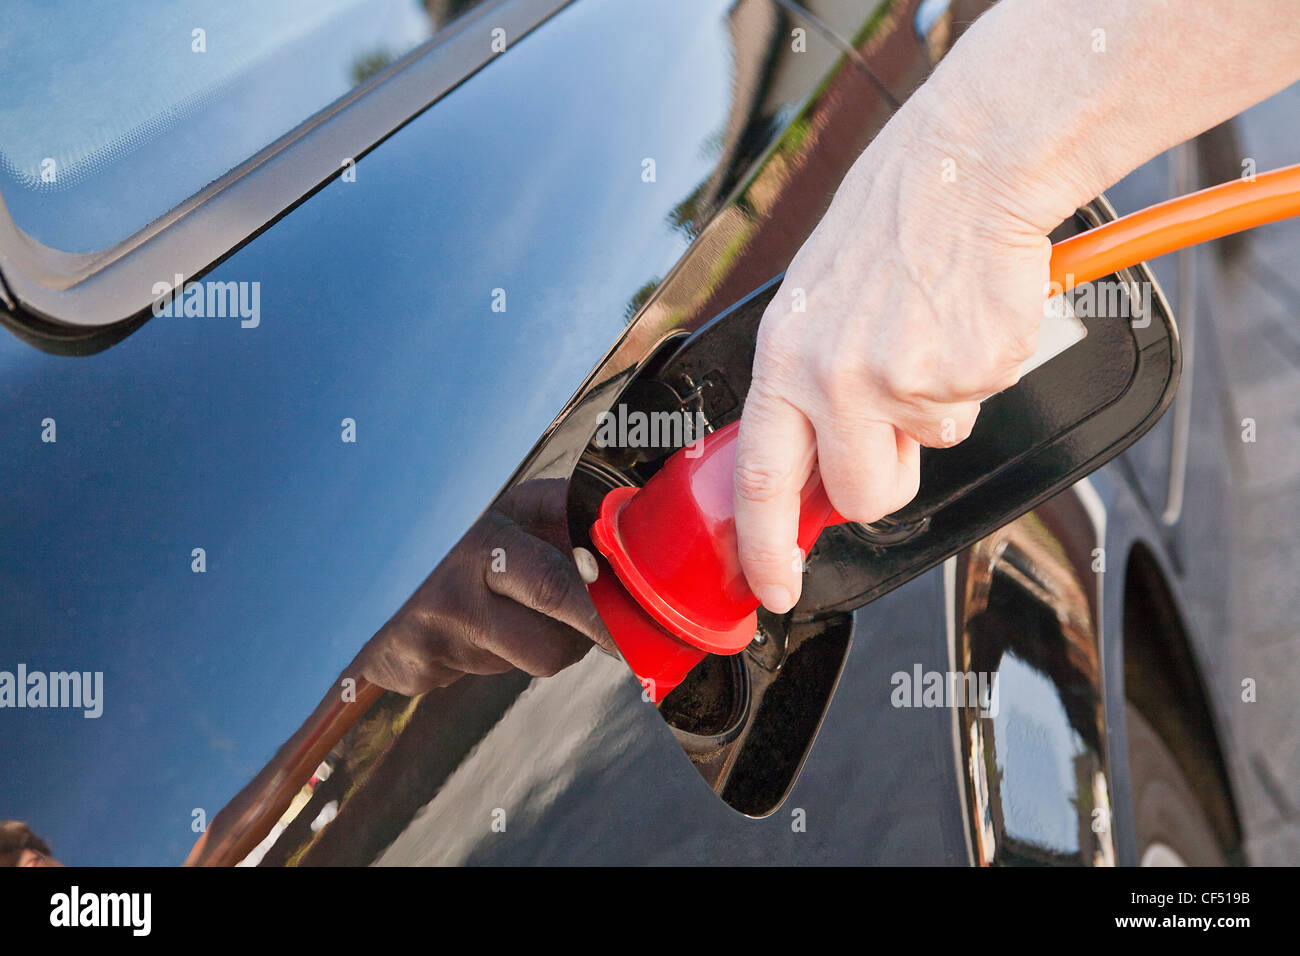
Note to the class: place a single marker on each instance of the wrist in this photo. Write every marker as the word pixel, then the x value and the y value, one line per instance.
pixel 1032 115
pixel 1014 169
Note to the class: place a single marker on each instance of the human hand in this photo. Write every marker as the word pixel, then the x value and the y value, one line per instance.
pixel 918 295
pixel 508 595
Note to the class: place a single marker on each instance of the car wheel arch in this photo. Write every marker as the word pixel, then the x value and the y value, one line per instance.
pixel 1164 681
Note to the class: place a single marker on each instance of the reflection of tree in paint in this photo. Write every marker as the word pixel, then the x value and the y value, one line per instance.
pixel 639 298
pixel 369 64
pixel 439 12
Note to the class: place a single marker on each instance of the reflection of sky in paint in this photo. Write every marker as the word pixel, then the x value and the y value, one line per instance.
pixel 375 305
pixel 115 95
pixel 1036 773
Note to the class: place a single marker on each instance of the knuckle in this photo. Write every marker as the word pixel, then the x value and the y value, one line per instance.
pixel 486 662
pixel 866 513
pixel 546 653
pixel 494 531
pixel 861 501
pixel 910 379
pixel 402 673
pixel 381 669
pixel 1007 379
pixel 981 376
pixel 971 382
pixel 933 426
pixel 953 428
pixel 908 488
pixel 424 676
pixel 765 558
pixel 758 481
pixel 552 588
pixel 839 371
pixel 420 622
pixel 547 656
pixel 963 417
pixel 942 434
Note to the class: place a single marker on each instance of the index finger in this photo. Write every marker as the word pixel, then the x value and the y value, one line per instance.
pixel 775 451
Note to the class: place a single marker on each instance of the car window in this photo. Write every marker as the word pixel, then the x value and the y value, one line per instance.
pixel 115 112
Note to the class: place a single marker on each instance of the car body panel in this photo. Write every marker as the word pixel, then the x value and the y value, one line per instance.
pixel 377 306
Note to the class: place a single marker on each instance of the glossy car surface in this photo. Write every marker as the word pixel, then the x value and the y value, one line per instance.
pixel 501 267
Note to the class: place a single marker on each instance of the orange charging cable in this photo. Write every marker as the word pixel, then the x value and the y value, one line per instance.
pixel 1176 224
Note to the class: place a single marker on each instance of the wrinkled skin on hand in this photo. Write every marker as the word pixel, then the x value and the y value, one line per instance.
pixel 925 281
pixel 918 295
pixel 508 595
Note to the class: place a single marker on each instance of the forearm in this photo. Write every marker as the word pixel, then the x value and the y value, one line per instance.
pixel 1048 102
pixel 923 285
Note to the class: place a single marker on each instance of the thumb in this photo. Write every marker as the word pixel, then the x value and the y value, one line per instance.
pixel 775 451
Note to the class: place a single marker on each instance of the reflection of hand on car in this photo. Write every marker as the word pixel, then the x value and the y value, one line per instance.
pixel 508 595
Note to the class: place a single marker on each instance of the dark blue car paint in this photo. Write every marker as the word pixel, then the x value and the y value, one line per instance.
pixel 377 306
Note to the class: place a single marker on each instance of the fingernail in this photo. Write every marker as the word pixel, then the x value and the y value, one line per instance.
pixel 776 599
pixel 588 569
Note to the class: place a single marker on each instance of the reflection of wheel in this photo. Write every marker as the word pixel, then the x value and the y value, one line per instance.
pixel 1172 827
